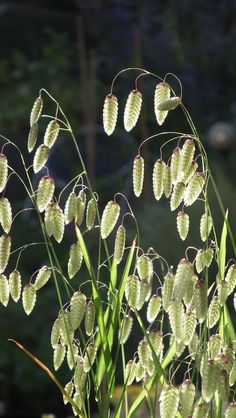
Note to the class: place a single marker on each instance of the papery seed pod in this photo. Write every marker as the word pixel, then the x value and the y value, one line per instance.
pixel 5 214
pixel 232 375
pixel 200 300
pixel 51 133
pixel 36 110
pixel 132 109
pixel 65 328
pixel 167 184
pixel 4 290
pixel 231 411
pixel 70 208
pixel 223 292
pixel 29 298
pixel 77 309
pixel 54 221
pixel 42 277
pixel 140 372
pixel 90 357
pixel 45 192
pixel 79 373
pixel 157 179
pixel 153 308
pixel 167 290
pixel 156 340
pixel 183 224
pixel 176 319
pixel 32 137
pixel 177 195
pixel 213 312
pixel 125 328
pixel 145 293
pixel 205 226
pixel 80 209
pixel 75 259
pixel 183 276
pixel 179 346
pixel 72 356
pixel 203 259
pixel 150 367
pixel 145 267
pixel 89 318
pixel 69 389
pixel 119 244
pixel 144 353
pixel 55 334
pixel 187 395
pixel 190 289
pixel 40 158
pixel 214 345
pixel 230 356
pixel 110 113
pixel 138 175
pixel 193 346
pixel 190 324
pixel 169 104
pixel 210 376
pixel 169 401
pixel 109 218
pixel 187 155
pixel 162 92
pixel 200 410
pixel 130 372
pixel 194 188
pixel 3 171
pixel 223 386
pixel 132 291
pixel 58 355
pixel 90 214
pixel 230 278
pixel 187 175
pixel 175 164
pixel 15 285
pixel 5 249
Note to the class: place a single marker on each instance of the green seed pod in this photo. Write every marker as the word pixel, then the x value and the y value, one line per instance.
pixel 162 92
pixel 32 137
pixel 5 249
pixel 190 289
pixel 140 372
pixel 150 367
pixel 213 312
pixel 179 346
pixel 183 224
pixel 169 104
pixel 177 195
pixel 45 192
pixel 190 324
pixel 167 290
pixel 223 386
pixel 42 277
pixel 167 184
pixel 80 209
pixel 59 355
pixel 175 165
pixel 90 214
pixel 79 373
pixel 130 372
pixel 90 357
pixel 156 340
pixel 176 319
pixel 51 133
pixel 5 214
pixel 3 171
pixel 4 290
pixel 109 218
pixel 54 221
pixel 75 259
pixel 15 285
pixel 40 158
pixel 145 293
pixel 187 155
pixel 119 244
pixel 138 175
pixel 200 300
pixel 89 318
pixel 153 308
pixel 70 208
pixel 125 328
pixel 214 345
pixel 231 411
pixel 232 375
pixel 77 309
pixel 230 355
pixel 72 356
pixel 78 399
pixel 194 188
pixel 169 401
pixel 55 334
pixel 222 292
pixel 200 410
pixel 157 179
pixel 145 267
pixel 132 291
pixel 187 395
pixel 29 298
pixel 193 346
pixel 110 113
pixel 183 276
pixel 144 353
pixel 204 259
pixel 187 175
pixel 205 226
pixel 230 278
pixel 210 376
pixel 132 109
pixel 69 389
pixel 36 111
pixel 65 328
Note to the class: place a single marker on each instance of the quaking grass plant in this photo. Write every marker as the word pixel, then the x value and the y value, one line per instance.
pixel 91 330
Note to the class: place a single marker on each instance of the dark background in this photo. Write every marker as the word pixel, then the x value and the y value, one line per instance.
pixel 74 49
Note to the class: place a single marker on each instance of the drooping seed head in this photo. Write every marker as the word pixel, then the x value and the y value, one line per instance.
pixel 90 214
pixel 54 221
pixel 77 309
pixel 40 158
pixel 176 319
pixel 29 298
pixel 130 372
pixel 183 277
pixel 213 312
pixel 36 110
pixel 145 267
pixel 5 214
pixel 132 109
pixel 125 328
pixel 109 218
pixel 89 318
pixel 42 277
pixel 187 395
pixel 167 290
pixel 45 192
pixel 70 208
pixel 177 195
pixel 153 308
pixel 110 113
pixel 3 171
pixel 205 226
pixel 230 278
pixel 175 164
pixel 15 285
pixel 4 290
pixel 119 244
pixel 80 207
pixel 138 175
pixel 59 355
pixel 183 224
pixel 157 179
pixel 51 133
pixel 190 324
pixel 210 377
pixel 32 137
pixel 187 155
pixel 75 259
pixel 132 291
pixel 5 250
pixel 162 92
pixel 200 300
pixel 169 104
pixel 169 401
pixel 194 188
pixel 90 356
pixel 167 184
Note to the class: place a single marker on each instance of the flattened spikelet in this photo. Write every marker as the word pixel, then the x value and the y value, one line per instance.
pixel 145 267
pixel 66 330
pixel 200 410
pixel 72 356
pixel 59 355
pixel 90 357
pixel 214 345
pixel 194 188
pixel 153 308
pixel 29 298
pixel 177 195
pixel 42 277
pixel 77 309
pixel 45 192
pixel 183 276
pixel 36 111
pixel 15 285
pixel 156 340
pixel 213 312
pixel 187 175
pixel 4 290
pixel 167 290
pixel 89 318
pixel 109 218
pixel 200 300
pixel 232 376
pixel 210 376
pixel 69 388
pixel 5 249
pixel 110 112
pixel 132 291
pixel 187 155
pixel 203 259
pixel 223 386
pixel 119 244
pixel 132 109
pixel 169 104
pixel 175 165
pixel 205 226
pixel 190 324
pixel 167 184
pixel 157 179
pixel 40 157
pixel 138 175
pixel 230 278
pixel 187 395
pixel 90 214
pixel 79 374
pixel 75 259
pixel 5 214
pixel 183 224
pixel 54 221
pixel 130 372
pixel 125 328
pixel 140 372
pixel 3 171
pixel 51 133
pixel 144 353
pixel 145 292
pixel 80 209
pixel 188 297
pixel 176 318
pixel 223 292
pixel 169 401
pixel 162 92
pixel 55 334
pixel 70 208
pixel 32 137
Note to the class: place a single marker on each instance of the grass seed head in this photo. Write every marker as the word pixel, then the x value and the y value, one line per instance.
pixel 132 109
pixel 75 259
pixel 132 291
pixel 59 355
pixel 153 308
pixel 29 298
pixel 36 111
pixel 145 267
pixel 119 244
pixel 167 184
pixel 183 224
pixel 162 92
pixel 15 285
pixel 40 158
pixel 138 175
pixel 89 318
pixel 167 290
pixel 205 226
pixel 90 357
pixel 51 133
pixel 5 250
pixel 3 171
pixel 77 309
pixel 110 113
pixel 187 395
pixel 90 214
pixel 42 277
pixel 109 218
pixel 157 179
pixel 169 104
pixel 169 401
pixel 5 214
pixel 177 195
pixel 4 290
pixel 145 293
pixel 70 210
pixel 200 300
pixel 45 192
pixel 194 188
pixel 125 328
pixel 54 221
pixel 210 377
pixel 32 137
